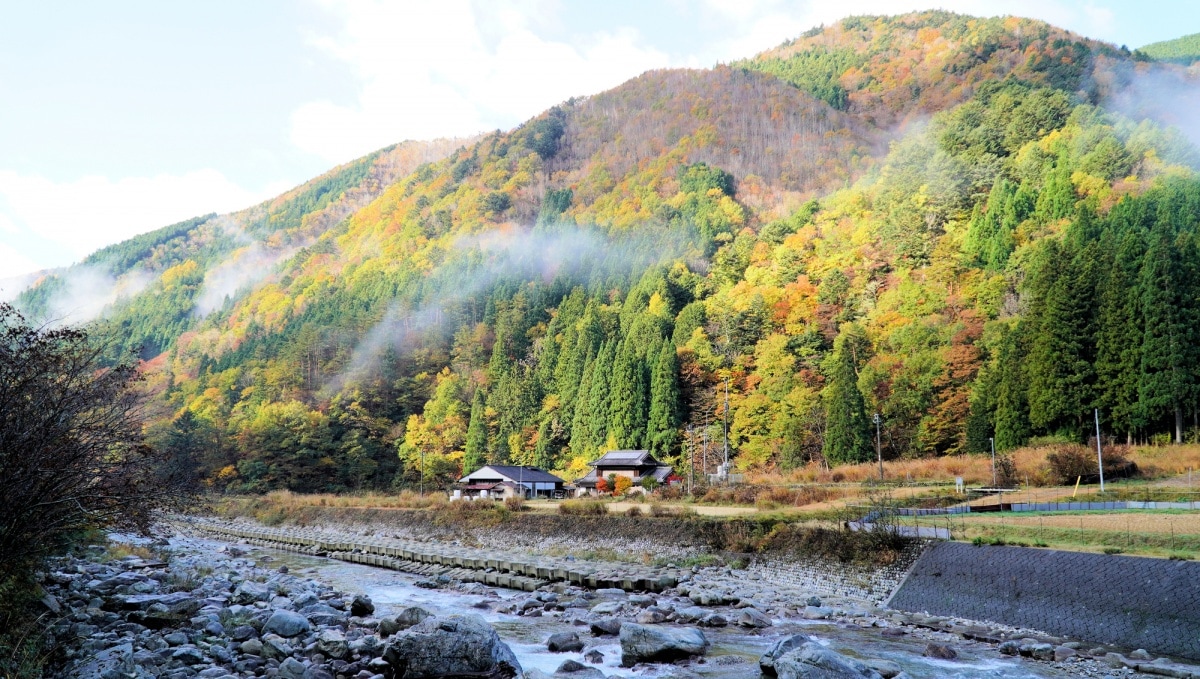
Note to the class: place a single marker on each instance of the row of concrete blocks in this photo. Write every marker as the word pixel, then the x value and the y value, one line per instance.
pixel 644 581
pixel 493 578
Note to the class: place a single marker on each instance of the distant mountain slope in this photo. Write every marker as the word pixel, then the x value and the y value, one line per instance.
pixel 1185 49
pixel 890 214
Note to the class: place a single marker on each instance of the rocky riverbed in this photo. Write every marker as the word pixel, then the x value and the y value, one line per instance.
pixel 207 608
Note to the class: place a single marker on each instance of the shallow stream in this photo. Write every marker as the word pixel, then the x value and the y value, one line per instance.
pixel 734 652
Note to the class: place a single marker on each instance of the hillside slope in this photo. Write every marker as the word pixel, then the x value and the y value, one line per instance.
pixel 924 216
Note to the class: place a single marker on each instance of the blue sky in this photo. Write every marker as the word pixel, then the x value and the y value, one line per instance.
pixel 124 116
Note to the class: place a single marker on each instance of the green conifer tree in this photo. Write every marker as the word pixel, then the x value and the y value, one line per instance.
pixel 1168 346
pixel 475 450
pixel 627 402
pixel 665 408
pixel 847 429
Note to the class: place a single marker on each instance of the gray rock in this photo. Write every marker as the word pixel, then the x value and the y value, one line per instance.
pixel 1141 654
pixel 287 624
pixel 361 606
pixel 766 663
pixel 650 616
pixel 816 613
pixel 175 638
pixel 275 646
pixel 886 668
pixel 249 592
pixel 454 645
pixel 252 647
pixel 411 616
pixel 388 627
pixel 188 655
pixel 1010 647
pixel 577 670
pixel 813 661
pixel 115 661
pixel 242 633
pixel 564 642
pixel 607 607
pixel 940 651
pixel 714 620
pixel 642 643
pixel 753 618
pixel 1061 653
pixel 291 668
pixel 594 656
pixel 813 601
pixel 333 644
pixel 606 627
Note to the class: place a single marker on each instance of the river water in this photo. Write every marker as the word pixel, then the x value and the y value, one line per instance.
pixel 734 652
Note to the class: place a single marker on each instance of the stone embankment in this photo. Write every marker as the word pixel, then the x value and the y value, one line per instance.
pixel 521 552
pixel 447 562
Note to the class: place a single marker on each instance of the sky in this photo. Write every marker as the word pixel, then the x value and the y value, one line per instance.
pixel 117 118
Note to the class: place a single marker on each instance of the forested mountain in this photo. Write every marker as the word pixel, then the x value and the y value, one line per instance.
pixel 1184 50
pixel 931 216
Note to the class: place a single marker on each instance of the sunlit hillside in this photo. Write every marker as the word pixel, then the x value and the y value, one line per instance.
pixel 942 219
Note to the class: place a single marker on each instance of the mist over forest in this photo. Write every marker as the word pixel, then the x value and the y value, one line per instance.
pixel 981 229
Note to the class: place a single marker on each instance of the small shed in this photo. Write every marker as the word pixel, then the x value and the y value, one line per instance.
pixel 504 481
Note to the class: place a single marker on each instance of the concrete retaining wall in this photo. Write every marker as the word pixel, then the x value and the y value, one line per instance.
pixel 1127 601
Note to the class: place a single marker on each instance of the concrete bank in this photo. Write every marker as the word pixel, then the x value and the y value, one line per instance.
pixel 1136 602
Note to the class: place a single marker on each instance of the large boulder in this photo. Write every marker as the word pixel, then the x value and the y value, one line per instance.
pixel 767 662
pixel 411 616
pixel 362 606
pixel 287 624
pixel 451 646
pixel 813 661
pixel 333 644
pixel 643 643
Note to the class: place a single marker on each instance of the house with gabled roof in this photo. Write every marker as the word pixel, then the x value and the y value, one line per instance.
pixel 635 464
pixel 504 481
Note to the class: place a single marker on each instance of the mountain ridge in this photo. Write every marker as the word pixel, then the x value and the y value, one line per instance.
pixel 591 277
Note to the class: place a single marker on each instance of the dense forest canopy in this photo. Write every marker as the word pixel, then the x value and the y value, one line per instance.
pixel 931 217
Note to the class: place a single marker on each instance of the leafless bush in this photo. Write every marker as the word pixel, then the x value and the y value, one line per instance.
pixel 72 456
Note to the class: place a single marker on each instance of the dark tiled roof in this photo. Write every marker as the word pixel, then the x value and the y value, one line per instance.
pixel 625 458
pixel 521 474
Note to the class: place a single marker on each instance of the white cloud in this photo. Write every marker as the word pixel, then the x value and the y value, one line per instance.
pixel 455 67
pixel 50 224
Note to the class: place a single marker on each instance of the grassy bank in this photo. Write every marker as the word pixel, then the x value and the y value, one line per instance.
pixel 1162 534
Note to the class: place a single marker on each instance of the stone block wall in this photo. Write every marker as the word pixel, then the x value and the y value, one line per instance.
pixel 1128 601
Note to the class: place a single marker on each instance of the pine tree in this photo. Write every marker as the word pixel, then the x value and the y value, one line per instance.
pixel 1059 365
pixel 627 401
pixel 1011 417
pixel 665 411
pixel 476 446
pixel 598 396
pixel 1168 345
pixel 1119 338
pixel 847 430
pixel 580 438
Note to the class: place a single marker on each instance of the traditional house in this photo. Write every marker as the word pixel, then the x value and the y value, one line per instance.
pixel 504 481
pixel 635 464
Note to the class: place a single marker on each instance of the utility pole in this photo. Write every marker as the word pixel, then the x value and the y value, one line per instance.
pixel 691 446
pixel 878 445
pixel 725 417
pixel 1099 452
pixel 995 483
